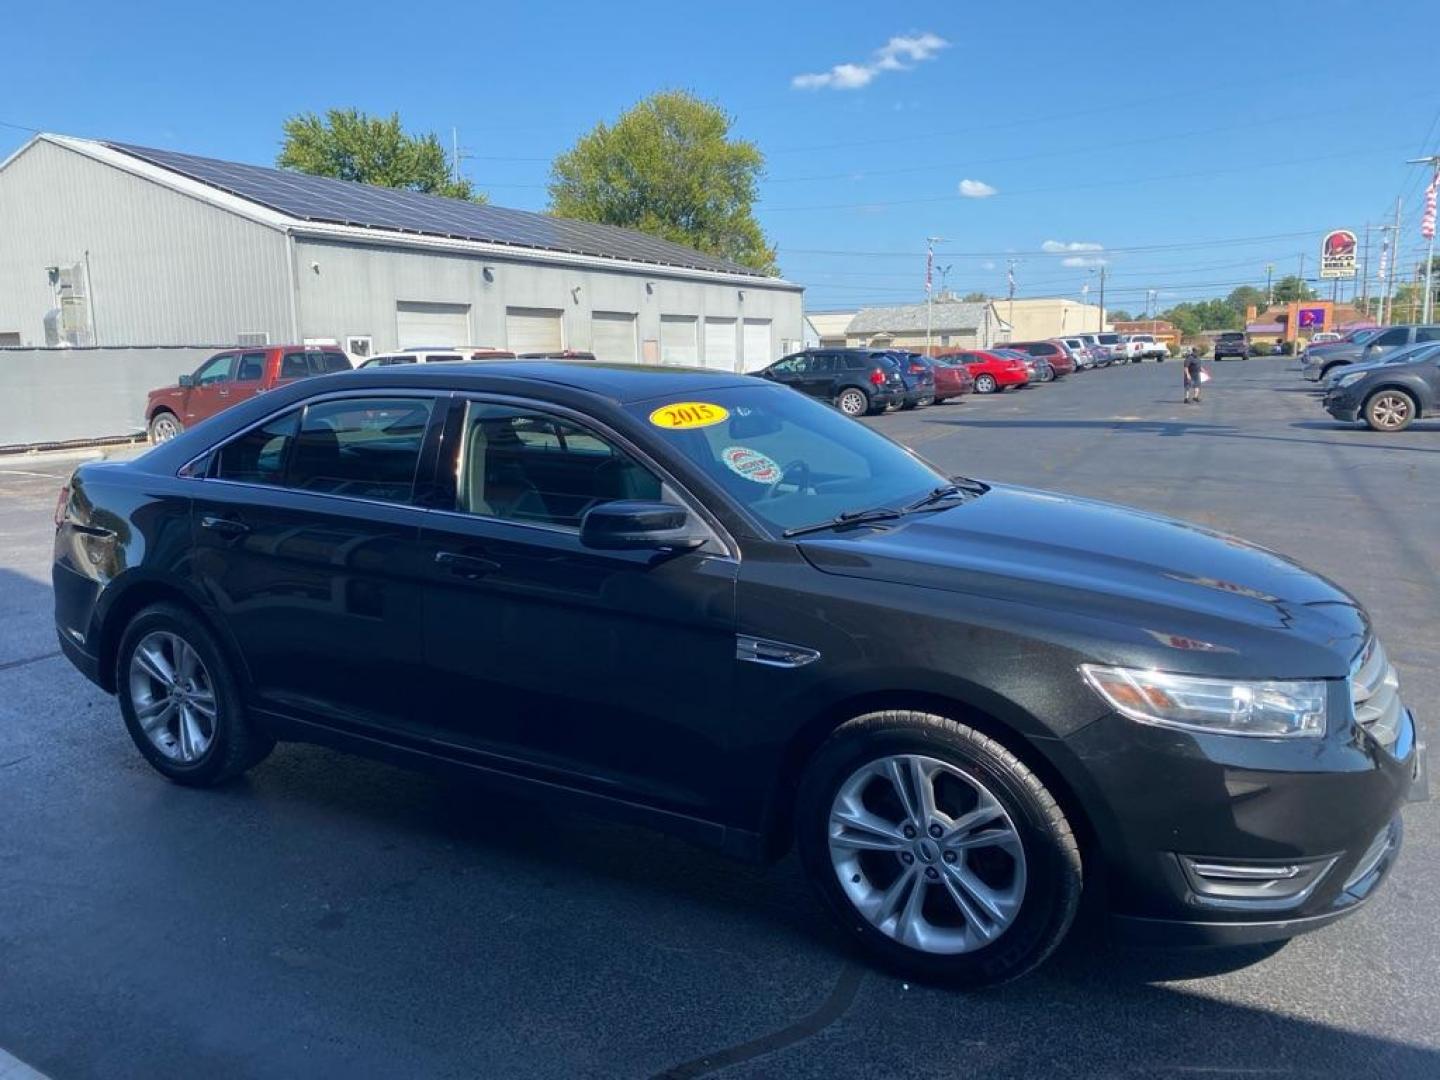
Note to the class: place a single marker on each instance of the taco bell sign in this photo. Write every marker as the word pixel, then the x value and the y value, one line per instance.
pixel 1337 254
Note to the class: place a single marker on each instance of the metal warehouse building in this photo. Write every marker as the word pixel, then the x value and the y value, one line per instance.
pixel 103 244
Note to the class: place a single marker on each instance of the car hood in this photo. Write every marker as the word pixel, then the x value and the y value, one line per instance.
pixel 1153 574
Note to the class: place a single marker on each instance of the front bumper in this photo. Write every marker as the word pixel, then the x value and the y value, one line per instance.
pixel 1340 405
pixel 1311 372
pixel 1163 802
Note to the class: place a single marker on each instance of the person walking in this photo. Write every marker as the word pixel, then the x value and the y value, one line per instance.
pixel 1194 375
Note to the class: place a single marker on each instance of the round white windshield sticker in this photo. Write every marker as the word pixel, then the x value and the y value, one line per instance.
pixel 751 464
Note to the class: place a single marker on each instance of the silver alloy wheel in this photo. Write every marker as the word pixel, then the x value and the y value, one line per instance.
pixel 927 854
pixel 164 428
pixel 985 384
pixel 173 696
pixel 853 403
pixel 1389 411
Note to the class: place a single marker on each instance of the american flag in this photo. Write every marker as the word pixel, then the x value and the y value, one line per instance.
pixel 1427 221
pixel 929 267
pixel 1384 259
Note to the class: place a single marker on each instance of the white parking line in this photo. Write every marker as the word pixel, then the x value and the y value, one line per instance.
pixel 22 472
pixel 12 1068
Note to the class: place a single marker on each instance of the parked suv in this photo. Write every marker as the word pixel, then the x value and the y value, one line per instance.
pixel 966 705
pixel 1322 362
pixel 1388 397
pixel 855 381
pixel 918 372
pixel 230 377
pixel 1050 349
pixel 1232 343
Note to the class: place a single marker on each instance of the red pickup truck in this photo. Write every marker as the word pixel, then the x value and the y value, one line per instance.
pixel 231 377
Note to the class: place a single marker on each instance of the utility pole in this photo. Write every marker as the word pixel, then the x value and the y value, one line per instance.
pixel 1150 295
pixel 1364 275
pixel 930 242
pixel 1010 313
pixel 1394 260
pixel 1102 297
pixel 1269 285
pixel 1434 162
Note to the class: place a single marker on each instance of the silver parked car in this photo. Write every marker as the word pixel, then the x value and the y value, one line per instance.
pixel 1322 361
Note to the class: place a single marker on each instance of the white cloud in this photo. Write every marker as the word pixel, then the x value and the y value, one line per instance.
pixel 1081 260
pixel 976 189
pixel 987 266
pixel 900 53
pixel 1056 246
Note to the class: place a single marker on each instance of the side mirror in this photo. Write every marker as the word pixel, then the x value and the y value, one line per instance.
pixel 638 525
pixel 187 380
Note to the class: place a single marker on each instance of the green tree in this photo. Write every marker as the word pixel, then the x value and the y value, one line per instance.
pixel 668 167
pixel 1290 288
pixel 974 298
pixel 1119 315
pixel 347 144
pixel 1245 296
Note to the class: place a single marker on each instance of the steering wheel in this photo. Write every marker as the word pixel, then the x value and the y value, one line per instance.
pixel 801 484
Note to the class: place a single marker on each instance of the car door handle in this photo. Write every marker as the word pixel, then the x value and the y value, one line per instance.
pixel 466 566
pixel 224 526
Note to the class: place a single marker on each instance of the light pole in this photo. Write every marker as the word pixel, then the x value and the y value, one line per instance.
pixel 1150 295
pixel 930 242
pixel 1394 261
pixel 1010 313
pixel 1269 286
pixel 1428 225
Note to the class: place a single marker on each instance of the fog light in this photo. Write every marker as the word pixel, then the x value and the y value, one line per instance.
pixel 1252 886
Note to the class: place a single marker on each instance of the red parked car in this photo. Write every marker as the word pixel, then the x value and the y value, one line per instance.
pixel 1052 350
pixel 231 377
pixel 952 380
pixel 992 373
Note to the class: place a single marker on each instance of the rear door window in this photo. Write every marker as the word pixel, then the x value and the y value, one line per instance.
pixel 251 367
pixel 1398 336
pixel 294 365
pixel 364 448
pixel 326 363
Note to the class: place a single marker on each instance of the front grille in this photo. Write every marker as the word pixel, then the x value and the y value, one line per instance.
pixel 1375 694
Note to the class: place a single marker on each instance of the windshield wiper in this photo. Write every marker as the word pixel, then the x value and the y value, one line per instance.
pixel 847 517
pixel 962 487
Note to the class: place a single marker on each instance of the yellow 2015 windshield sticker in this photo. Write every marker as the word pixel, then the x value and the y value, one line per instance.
pixel 688 414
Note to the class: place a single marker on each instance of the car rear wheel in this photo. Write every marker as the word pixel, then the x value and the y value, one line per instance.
pixel 164 426
pixel 940 852
pixel 180 700
pixel 852 402
pixel 1389 410
pixel 985 384
pixel 1047 374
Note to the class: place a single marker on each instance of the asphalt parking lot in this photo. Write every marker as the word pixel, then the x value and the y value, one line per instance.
pixel 328 916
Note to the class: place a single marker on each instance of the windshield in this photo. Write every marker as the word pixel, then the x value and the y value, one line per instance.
pixel 787 458
pixel 1109 339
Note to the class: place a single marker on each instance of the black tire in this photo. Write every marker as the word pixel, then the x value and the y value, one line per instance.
pixel 1389 410
pixel 235 744
pixel 907 406
pixel 985 383
pixel 1053 873
pixel 164 426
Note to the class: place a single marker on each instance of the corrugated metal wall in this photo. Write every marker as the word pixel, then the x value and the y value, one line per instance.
pixel 348 289
pixel 165 269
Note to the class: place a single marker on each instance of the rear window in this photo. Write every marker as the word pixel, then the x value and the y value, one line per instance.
pixel 1231 336
pixel 1109 339
pixel 325 363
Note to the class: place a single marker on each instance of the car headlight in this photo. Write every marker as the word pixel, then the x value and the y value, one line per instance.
pixel 1346 380
pixel 1266 708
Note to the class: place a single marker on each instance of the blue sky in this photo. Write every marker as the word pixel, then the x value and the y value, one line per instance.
pixel 1185 145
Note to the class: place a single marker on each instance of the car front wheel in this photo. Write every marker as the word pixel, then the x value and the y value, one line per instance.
pixel 164 426
pixel 180 700
pixel 1389 410
pixel 985 384
pixel 939 851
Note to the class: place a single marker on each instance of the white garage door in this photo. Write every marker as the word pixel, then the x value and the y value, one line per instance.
pixel 612 336
pixel 534 329
pixel 720 344
pixel 758 350
pixel 677 340
pixel 444 325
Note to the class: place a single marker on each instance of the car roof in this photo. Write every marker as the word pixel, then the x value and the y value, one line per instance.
pixel 620 382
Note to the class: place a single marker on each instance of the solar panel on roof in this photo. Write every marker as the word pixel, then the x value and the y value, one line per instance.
pixel 342 202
